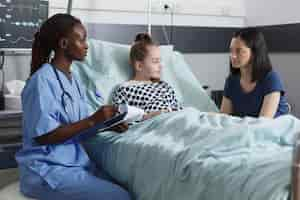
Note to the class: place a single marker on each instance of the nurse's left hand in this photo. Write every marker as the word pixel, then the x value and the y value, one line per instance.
pixel 120 128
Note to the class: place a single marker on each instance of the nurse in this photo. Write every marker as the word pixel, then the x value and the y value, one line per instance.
pixel 52 162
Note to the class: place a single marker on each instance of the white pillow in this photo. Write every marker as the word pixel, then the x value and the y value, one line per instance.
pixel 107 65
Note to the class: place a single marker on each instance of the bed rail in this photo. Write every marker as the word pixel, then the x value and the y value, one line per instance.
pixel 296 170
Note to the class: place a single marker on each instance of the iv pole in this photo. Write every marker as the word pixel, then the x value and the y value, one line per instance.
pixel 69 9
pixel 149 16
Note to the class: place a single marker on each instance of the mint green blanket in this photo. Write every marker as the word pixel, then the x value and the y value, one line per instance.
pixel 195 155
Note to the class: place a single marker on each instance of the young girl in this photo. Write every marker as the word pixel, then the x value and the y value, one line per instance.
pixel 145 90
pixel 52 162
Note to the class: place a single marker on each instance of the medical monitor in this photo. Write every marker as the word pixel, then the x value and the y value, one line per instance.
pixel 19 20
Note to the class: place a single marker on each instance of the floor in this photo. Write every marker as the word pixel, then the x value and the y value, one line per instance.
pixel 8 167
pixel 8 176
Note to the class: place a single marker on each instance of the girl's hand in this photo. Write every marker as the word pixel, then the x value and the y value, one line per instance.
pixel 152 114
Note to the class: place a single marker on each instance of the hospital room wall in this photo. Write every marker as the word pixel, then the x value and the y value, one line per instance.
pixel 191 13
pixel 272 12
pixel 284 13
pixel 222 13
pixel 210 68
pixel 186 13
pixel 193 7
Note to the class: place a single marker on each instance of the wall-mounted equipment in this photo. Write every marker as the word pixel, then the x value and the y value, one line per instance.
pixel 19 20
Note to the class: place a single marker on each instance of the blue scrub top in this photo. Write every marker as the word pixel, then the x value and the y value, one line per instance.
pixel 43 112
pixel 249 104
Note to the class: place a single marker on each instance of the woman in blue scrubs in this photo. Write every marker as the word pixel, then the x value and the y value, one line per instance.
pixel 52 162
pixel 253 88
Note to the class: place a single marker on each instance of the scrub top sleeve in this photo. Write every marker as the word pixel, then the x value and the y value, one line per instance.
pixel 40 108
pixel 272 83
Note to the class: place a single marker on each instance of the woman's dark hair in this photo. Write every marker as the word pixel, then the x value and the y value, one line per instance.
pixel 47 38
pixel 139 51
pixel 261 63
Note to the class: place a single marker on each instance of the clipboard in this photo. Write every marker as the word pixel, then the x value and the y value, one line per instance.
pixel 115 120
pixel 126 114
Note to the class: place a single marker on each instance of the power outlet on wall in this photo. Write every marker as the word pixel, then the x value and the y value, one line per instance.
pixel 164 6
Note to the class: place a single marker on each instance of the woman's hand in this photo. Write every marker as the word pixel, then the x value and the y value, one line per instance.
pixel 270 105
pixel 106 112
pixel 226 106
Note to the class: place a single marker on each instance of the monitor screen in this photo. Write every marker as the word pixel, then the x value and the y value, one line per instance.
pixel 19 20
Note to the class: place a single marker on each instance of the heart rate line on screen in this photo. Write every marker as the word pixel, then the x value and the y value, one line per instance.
pixel 19 20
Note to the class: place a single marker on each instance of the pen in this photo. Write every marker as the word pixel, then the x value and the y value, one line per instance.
pixel 98 95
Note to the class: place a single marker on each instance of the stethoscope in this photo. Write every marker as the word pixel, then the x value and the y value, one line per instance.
pixel 65 96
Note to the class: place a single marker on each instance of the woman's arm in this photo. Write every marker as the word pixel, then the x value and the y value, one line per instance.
pixel 270 105
pixel 66 132
pixel 226 106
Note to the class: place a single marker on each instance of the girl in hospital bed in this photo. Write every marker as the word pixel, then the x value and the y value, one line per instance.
pixel 52 162
pixel 146 90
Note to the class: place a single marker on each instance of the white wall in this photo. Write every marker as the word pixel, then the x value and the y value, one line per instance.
pixel 205 13
pixel 272 12
pixel 217 7
pixel 17 67
pixel 223 13
pixel 226 13
pixel 287 64
pixel 210 68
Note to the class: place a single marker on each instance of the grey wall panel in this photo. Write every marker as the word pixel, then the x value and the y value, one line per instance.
pixel 280 38
pixel 185 39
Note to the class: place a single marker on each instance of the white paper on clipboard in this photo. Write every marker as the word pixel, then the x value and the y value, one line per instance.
pixel 128 114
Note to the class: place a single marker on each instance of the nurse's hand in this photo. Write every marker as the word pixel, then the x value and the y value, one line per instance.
pixel 120 128
pixel 104 113
pixel 107 112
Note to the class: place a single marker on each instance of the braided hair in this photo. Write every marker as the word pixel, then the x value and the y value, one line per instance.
pixel 47 38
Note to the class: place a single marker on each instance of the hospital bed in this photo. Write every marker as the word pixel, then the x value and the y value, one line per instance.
pixel 189 154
